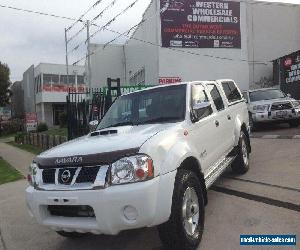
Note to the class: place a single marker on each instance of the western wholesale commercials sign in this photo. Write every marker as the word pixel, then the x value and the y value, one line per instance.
pixel 200 24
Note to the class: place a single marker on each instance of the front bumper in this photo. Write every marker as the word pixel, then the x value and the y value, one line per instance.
pixel 276 116
pixel 146 203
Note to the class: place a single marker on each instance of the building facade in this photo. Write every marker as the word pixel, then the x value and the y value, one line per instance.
pixel 165 49
pixel 46 87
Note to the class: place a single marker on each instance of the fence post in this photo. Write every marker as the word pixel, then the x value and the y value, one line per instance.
pixel 69 115
pixel 47 141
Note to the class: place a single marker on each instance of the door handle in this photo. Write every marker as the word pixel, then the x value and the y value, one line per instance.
pixel 217 123
pixel 229 117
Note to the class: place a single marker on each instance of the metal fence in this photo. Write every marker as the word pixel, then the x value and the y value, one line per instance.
pixel 92 104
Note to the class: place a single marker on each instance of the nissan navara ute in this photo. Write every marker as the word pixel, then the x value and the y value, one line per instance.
pixel 148 163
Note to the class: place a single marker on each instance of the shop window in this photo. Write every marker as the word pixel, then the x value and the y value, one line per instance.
pixel 50 79
pixel 57 110
pixel 80 79
pixel 64 79
pixel 38 84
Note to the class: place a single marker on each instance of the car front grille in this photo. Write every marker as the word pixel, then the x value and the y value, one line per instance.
pixel 87 175
pixel 281 106
pixel 48 176
pixel 67 176
pixel 71 211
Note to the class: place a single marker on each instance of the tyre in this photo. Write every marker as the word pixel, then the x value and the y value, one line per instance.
pixel 241 163
pixel 294 124
pixel 71 235
pixel 184 228
pixel 252 124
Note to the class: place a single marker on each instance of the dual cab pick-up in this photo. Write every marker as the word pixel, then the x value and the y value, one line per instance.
pixel 148 163
pixel 270 105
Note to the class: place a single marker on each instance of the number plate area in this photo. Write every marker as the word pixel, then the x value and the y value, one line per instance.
pixel 281 114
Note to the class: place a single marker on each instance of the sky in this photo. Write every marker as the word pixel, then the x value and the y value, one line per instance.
pixel 28 39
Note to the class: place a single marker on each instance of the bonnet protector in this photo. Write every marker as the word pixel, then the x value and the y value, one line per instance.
pixel 84 160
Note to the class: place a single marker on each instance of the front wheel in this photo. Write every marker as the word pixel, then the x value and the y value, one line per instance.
pixel 294 124
pixel 252 124
pixel 241 163
pixel 184 228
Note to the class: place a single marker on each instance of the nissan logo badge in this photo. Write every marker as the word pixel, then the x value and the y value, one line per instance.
pixel 65 176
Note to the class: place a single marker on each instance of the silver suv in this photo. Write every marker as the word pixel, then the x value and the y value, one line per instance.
pixel 272 105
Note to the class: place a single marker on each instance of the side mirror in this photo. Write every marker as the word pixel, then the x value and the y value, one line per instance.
pixel 200 110
pixel 93 125
pixel 289 95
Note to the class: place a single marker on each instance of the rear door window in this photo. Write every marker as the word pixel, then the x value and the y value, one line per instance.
pixel 231 91
pixel 216 96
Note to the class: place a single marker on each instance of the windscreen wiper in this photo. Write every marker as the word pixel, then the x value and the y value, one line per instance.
pixel 160 119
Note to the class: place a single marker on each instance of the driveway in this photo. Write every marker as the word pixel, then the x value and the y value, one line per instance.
pixel 264 201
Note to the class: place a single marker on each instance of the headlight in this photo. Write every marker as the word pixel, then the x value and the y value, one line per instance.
pixel 132 169
pixel 296 104
pixel 261 108
pixel 32 174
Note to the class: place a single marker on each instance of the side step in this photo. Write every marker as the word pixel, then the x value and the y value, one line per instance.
pixel 217 170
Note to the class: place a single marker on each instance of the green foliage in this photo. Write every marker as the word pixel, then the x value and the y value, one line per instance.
pixel 11 127
pixel 4 84
pixel 42 127
pixel 63 120
pixel 8 173
pixel 19 137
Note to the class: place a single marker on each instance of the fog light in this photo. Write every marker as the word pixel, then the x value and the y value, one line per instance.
pixel 130 213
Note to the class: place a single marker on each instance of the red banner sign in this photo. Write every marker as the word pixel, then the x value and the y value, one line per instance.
pixel 169 80
pixel 63 88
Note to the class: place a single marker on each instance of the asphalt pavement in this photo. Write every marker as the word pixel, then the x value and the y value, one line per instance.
pixel 263 201
pixel 281 130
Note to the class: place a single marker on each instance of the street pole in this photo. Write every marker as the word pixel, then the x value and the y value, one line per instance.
pixel 67 59
pixel 89 57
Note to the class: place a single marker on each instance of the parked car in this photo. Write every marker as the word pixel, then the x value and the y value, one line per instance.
pixel 149 167
pixel 270 105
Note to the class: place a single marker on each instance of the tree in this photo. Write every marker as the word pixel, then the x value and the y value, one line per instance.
pixel 4 84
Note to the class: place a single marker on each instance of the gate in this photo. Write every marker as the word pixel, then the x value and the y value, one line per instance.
pixel 92 104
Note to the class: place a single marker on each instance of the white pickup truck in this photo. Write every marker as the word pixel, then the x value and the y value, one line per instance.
pixel 148 163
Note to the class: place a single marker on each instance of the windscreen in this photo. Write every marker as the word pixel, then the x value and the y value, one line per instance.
pixel 158 105
pixel 266 95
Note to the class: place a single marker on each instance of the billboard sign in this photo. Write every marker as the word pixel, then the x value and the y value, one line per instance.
pixel 292 68
pixel 31 122
pixel 5 113
pixel 200 24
